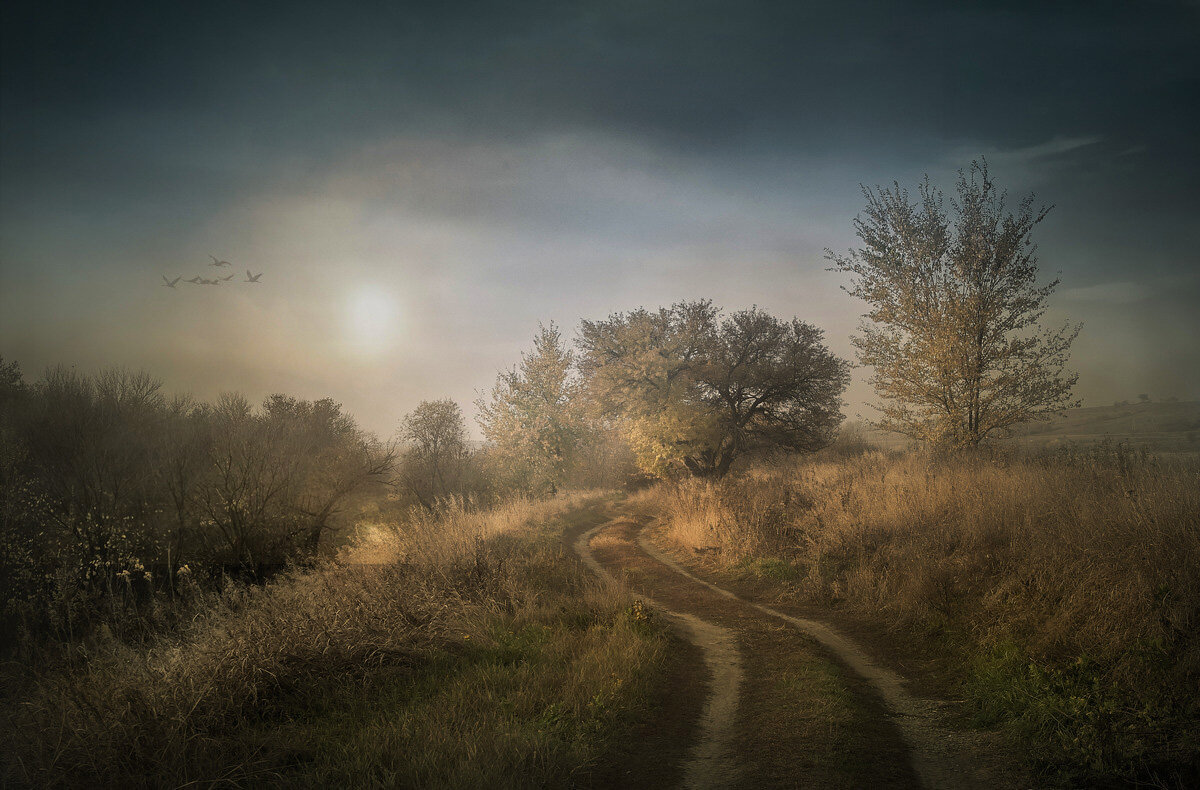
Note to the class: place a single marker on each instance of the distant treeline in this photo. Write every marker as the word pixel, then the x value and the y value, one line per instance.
pixel 104 480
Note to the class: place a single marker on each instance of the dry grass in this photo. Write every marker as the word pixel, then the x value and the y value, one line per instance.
pixel 1069 585
pixel 450 535
pixel 452 650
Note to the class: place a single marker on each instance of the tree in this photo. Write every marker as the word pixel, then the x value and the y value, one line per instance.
pixel 532 419
pixel 279 475
pixel 696 393
pixel 338 461
pixel 182 453
pixel 433 465
pixel 953 330
pixel 90 441
pixel 12 383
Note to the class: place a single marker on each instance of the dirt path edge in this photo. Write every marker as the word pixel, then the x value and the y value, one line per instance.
pixel 711 761
pixel 935 752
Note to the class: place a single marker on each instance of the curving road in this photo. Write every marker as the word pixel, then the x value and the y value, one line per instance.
pixel 910 744
pixel 710 764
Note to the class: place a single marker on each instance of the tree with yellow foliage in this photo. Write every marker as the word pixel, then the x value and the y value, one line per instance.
pixel 532 418
pixel 696 392
pixel 954 327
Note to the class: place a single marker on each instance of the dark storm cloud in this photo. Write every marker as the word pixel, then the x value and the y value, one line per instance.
pixel 210 99
pixel 702 73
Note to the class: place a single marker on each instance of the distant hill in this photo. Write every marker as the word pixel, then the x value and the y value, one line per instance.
pixel 1133 419
pixel 1163 425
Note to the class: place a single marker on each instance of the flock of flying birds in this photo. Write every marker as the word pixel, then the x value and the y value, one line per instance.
pixel 198 280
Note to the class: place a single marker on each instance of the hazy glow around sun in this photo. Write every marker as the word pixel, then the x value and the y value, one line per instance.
pixel 372 321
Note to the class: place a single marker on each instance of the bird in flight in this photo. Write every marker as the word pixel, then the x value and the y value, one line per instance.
pixel 252 278
pixel 219 262
pixel 170 283
pixel 197 280
pixel 227 278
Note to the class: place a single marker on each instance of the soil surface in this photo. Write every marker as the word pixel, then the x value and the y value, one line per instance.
pixel 710 762
pixel 787 700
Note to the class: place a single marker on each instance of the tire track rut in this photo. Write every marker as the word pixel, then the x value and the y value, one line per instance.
pixel 932 748
pixel 711 763
pixel 911 742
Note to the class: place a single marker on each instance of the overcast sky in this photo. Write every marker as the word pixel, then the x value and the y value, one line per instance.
pixel 421 185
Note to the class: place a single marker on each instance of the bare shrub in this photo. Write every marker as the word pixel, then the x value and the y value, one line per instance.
pixel 107 488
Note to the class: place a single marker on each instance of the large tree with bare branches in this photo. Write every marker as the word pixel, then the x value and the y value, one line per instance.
pixel 954 331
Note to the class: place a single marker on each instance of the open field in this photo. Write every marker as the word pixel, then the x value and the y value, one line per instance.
pixel 1163 426
pixel 283 599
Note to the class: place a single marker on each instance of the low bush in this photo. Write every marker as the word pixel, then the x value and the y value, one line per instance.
pixel 108 487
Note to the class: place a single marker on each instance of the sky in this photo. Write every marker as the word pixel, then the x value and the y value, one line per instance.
pixel 421 184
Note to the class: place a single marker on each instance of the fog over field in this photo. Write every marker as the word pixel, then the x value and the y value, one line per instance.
pixel 422 185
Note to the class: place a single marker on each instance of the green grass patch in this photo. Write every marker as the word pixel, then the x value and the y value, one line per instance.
pixel 766 569
pixel 1090 722
pixel 531 705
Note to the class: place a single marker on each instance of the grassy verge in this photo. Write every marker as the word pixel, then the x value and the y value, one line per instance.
pixel 1060 592
pixel 467 649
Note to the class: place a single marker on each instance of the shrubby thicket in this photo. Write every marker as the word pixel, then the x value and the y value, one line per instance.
pixel 112 494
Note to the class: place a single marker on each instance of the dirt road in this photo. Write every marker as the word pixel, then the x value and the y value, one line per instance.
pixel 792 702
pixel 710 764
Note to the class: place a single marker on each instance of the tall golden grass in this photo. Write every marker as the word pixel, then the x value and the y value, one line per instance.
pixel 1068 584
pixel 453 649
